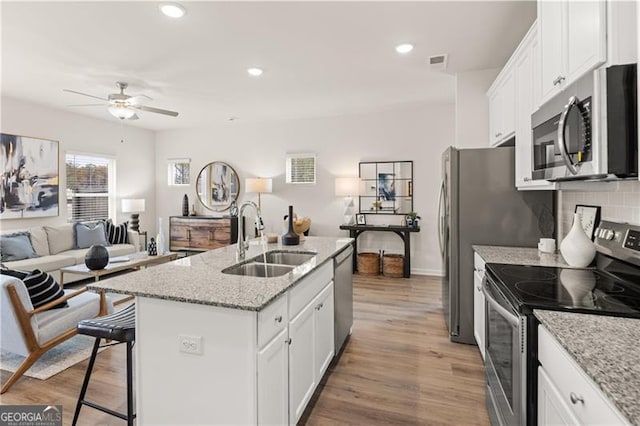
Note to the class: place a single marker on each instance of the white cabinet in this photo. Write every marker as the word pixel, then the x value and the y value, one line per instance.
pixel 527 92
pixel 310 351
pixel 573 41
pixel 273 386
pixel 501 107
pixel 478 302
pixel 566 395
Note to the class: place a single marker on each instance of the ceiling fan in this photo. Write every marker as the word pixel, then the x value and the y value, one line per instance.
pixel 124 106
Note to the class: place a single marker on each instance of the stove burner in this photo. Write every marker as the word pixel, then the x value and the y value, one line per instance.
pixel 580 295
pixel 528 273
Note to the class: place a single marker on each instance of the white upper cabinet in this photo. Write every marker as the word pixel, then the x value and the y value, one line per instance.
pixel 573 41
pixel 501 107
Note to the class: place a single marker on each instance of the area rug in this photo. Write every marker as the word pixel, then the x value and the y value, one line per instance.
pixel 55 360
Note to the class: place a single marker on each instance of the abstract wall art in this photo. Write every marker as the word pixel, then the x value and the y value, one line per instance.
pixel 30 177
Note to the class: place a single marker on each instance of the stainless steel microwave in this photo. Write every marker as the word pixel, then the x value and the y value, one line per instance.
pixel 590 129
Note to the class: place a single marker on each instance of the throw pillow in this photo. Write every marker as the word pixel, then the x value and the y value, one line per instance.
pixel 21 275
pixel 60 238
pixel 16 247
pixel 117 234
pixel 90 234
pixel 43 288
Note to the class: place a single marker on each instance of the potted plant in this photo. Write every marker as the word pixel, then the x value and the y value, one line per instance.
pixel 413 219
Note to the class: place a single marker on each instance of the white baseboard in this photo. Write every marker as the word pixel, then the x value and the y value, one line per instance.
pixel 430 272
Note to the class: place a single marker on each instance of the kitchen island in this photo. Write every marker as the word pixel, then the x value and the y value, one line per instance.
pixel 217 348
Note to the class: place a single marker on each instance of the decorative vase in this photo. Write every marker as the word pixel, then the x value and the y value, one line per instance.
pixel 97 257
pixel 153 248
pixel 577 248
pixel 160 240
pixel 185 205
pixel 290 238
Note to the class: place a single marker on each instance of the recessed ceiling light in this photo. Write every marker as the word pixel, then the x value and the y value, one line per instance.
pixel 173 10
pixel 256 72
pixel 404 48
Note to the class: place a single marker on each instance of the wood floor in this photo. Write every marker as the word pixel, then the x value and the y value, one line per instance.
pixel 398 368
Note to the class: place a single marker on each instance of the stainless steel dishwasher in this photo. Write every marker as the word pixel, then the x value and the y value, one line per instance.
pixel 343 296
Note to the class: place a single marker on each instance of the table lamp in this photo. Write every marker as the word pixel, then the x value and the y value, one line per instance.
pixel 259 185
pixel 135 206
pixel 347 187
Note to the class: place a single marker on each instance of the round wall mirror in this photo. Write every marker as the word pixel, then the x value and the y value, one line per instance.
pixel 217 186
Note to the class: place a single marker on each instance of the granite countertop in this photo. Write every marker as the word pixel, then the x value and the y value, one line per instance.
pixel 606 348
pixel 199 278
pixel 520 256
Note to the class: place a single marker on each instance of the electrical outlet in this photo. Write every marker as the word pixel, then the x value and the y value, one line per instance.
pixel 190 344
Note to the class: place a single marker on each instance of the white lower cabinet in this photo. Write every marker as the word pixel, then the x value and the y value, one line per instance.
pixel 301 362
pixel 478 302
pixel 273 386
pixel 566 395
pixel 324 330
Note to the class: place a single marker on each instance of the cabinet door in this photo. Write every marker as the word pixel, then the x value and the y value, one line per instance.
pixel 478 310
pixel 585 31
pixel 495 112
pixel 551 408
pixel 324 320
pixel 273 381
pixel 302 350
pixel 508 107
pixel 550 18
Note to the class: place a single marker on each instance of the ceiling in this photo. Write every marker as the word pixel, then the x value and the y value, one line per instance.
pixel 319 58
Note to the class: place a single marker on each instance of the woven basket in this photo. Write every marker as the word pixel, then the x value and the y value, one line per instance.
pixel 369 263
pixel 393 265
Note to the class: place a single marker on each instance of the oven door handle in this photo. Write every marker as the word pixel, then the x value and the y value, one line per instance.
pixel 561 141
pixel 510 317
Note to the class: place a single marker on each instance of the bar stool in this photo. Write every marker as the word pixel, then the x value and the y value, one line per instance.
pixel 121 327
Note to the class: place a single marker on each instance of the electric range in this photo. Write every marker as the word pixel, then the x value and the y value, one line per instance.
pixel 512 292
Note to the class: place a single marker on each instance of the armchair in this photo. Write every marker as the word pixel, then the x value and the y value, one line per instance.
pixel 31 332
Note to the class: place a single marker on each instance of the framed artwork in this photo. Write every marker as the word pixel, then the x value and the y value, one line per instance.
pixel 386 187
pixel 217 186
pixel 360 219
pixel 590 218
pixel 30 177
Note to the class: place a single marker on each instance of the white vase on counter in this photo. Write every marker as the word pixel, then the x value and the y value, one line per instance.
pixel 160 240
pixel 577 248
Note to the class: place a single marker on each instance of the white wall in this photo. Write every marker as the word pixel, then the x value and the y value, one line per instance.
pixel 472 108
pixel 417 132
pixel 77 133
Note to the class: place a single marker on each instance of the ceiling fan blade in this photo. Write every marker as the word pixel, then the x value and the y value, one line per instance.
pixel 134 117
pixel 86 105
pixel 138 99
pixel 85 94
pixel 156 110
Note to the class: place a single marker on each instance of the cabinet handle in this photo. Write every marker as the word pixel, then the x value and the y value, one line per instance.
pixel 558 80
pixel 479 288
pixel 278 318
pixel 478 270
pixel 320 305
pixel 576 398
pixel 288 341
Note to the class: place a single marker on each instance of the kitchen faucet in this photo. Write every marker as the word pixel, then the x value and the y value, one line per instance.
pixel 242 244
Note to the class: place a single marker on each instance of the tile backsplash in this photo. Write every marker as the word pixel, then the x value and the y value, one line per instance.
pixel 620 205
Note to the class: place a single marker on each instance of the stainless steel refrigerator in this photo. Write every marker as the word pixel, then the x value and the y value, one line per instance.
pixel 479 204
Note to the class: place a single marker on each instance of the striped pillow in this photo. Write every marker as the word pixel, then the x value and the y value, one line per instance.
pixel 116 234
pixel 43 288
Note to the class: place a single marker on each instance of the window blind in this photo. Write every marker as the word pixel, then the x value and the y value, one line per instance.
pixel 301 168
pixel 88 189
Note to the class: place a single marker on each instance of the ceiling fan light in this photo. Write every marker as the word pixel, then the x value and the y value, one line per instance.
pixel 173 10
pixel 121 112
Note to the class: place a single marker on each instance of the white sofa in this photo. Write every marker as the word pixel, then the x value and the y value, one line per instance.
pixel 54 247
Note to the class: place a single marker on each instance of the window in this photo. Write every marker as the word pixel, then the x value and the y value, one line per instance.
pixel 301 168
pixel 90 187
pixel 179 171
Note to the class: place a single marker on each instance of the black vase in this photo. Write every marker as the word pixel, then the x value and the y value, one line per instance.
pixel 185 205
pixel 97 257
pixel 290 238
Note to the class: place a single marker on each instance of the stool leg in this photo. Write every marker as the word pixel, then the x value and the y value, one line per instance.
pixel 85 384
pixel 129 384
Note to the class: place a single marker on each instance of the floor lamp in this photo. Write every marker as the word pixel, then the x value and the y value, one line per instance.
pixel 259 185
pixel 348 187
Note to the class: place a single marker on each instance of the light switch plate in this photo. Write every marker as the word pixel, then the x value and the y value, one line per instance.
pixel 190 344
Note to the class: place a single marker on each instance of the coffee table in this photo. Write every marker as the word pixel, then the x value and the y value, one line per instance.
pixel 136 261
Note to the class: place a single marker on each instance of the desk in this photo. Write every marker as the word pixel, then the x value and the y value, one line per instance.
pixel 403 232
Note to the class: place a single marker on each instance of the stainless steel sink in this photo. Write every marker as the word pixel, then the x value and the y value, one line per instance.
pixel 285 257
pixel 255 269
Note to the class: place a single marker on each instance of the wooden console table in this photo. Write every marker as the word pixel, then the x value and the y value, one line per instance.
pixel 403 232
pixel 201 233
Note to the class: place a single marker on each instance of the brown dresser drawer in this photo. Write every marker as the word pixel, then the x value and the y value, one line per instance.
pixel 200 234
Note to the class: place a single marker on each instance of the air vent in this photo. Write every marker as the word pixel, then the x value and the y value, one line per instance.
pixel 438 61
